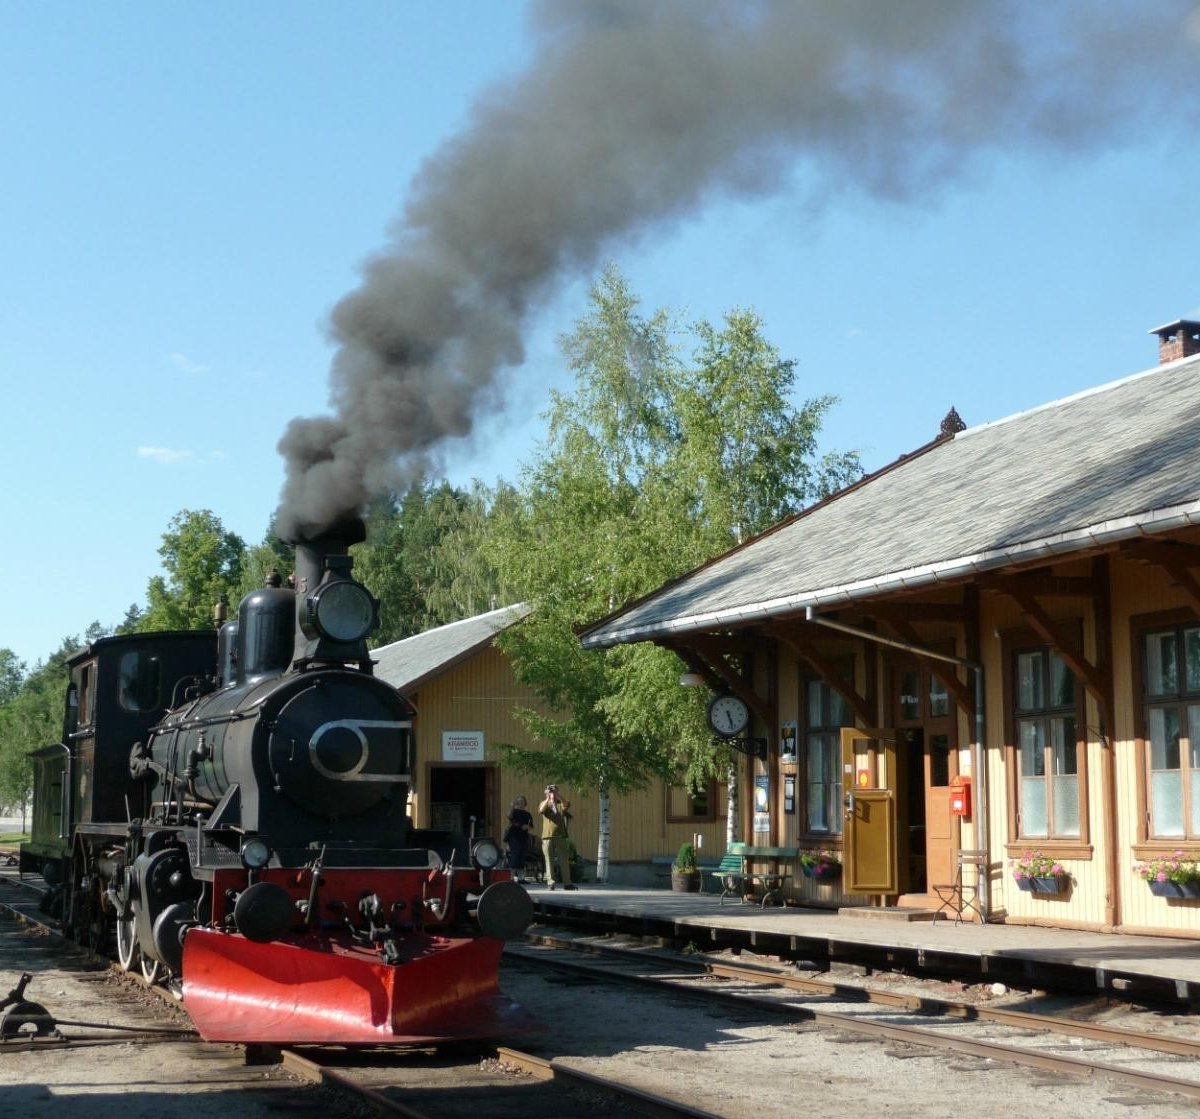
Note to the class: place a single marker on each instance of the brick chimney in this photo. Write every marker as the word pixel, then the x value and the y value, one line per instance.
pixel 1177 339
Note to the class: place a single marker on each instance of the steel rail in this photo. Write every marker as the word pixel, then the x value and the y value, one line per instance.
pixel 648 1103
pixel 316 1073
pixel 912 1035
pixel 926 1004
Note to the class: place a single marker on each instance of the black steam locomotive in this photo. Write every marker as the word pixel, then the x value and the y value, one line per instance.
pixel 229 811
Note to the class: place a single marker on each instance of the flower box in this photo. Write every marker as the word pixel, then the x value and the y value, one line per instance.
pixel 1037 873
pixel 821 870
pixel 1047 885
pixel 1040 883
pixel 1175 874
pixel 1174 889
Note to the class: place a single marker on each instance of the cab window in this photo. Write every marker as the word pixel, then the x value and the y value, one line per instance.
pixel 87 695
pixel 140 676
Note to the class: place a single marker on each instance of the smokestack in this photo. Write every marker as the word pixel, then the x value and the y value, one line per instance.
pixel 1177 339
pixel 321 560
pixel 633 114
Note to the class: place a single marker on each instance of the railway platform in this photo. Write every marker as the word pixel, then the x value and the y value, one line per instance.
pixel 1129 966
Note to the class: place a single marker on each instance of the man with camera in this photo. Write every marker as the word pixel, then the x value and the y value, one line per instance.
pixel 555 814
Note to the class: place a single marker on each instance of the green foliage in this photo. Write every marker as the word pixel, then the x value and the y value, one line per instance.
pixel 685 860
pixel 272 554
pixel 132 622
pixel 649 469
pixel 423 557
pixel 203 564
pixel 12 675
pixel 31 719
pixel 819 859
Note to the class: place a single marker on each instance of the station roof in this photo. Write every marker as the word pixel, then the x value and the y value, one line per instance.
pixel 1109 464
pixel 407 664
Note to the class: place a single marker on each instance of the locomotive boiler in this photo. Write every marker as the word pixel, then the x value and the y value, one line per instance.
pixel 231 811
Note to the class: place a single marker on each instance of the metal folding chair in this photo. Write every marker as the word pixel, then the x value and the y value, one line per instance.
pixel 961 897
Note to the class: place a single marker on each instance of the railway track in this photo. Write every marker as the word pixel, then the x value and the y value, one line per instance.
pixel 1155 1066
pixel 1051 1043
pixel 414 1084
pixel 501 1083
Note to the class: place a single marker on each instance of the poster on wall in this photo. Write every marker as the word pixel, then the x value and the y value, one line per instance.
pixel 762 803
pixel 787 742
pixel 462 745
pixel 789 794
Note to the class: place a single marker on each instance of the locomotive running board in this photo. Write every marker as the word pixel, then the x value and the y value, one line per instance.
pixel 322 992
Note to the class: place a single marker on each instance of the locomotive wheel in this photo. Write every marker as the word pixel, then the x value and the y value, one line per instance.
pixel 127 946
pixel 152 971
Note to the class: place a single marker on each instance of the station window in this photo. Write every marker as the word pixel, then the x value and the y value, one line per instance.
pixel 140 676
pixel 1171 730
pixel 702 805
pixel 825 713
pixel 1046 721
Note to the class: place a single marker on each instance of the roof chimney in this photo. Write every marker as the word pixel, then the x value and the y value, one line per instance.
pixel 1177 339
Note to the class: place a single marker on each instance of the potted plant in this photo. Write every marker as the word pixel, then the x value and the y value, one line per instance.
pixel 1176 875
pixel 819 864
pixel 685 874
pixel 1038 873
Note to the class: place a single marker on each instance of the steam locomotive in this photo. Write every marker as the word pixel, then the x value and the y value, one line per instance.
pixel 228 810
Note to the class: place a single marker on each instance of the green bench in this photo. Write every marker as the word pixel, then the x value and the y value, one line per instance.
pixel 728 874
pixel 734 876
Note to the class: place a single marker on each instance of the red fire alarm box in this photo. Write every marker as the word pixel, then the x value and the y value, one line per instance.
pixel 960 796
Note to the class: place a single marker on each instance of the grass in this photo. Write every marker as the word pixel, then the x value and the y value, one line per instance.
pixel 14 837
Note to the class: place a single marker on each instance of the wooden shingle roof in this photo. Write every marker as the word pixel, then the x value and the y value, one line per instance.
pixel 1109 464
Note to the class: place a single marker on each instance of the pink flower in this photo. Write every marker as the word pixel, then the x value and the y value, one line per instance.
pixel 1161 876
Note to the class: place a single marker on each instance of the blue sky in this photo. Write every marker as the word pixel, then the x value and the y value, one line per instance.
pixel 189 189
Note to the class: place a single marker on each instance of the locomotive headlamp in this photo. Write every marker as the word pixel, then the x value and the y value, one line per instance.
pixel 485 854
pixel 255 854
pixel 343 610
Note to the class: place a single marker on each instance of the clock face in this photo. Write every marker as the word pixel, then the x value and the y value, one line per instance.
pixel 728 715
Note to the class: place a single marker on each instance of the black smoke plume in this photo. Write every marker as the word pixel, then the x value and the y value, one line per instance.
pixel 636 112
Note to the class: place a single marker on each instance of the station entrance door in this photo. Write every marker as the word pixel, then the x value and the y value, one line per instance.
pixel 898 830
pixel 926 719
pixel 463 798
pixel 875 812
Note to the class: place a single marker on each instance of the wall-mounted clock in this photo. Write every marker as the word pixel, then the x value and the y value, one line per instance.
pixel 728 716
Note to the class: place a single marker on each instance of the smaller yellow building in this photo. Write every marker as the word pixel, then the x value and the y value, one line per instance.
pixel 465 694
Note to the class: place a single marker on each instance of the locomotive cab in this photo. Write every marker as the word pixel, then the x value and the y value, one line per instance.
pixel 118 688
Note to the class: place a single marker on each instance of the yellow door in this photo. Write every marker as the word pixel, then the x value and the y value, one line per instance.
pixel 874 831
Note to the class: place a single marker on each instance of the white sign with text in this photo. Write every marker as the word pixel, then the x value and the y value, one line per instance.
pixel 462 745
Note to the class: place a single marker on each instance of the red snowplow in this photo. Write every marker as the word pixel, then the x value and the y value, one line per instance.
pixel 317 990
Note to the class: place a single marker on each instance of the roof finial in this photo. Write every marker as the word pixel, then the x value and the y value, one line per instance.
pixel 952 424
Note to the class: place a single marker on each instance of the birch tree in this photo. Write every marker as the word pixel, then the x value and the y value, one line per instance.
pixel 651 466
